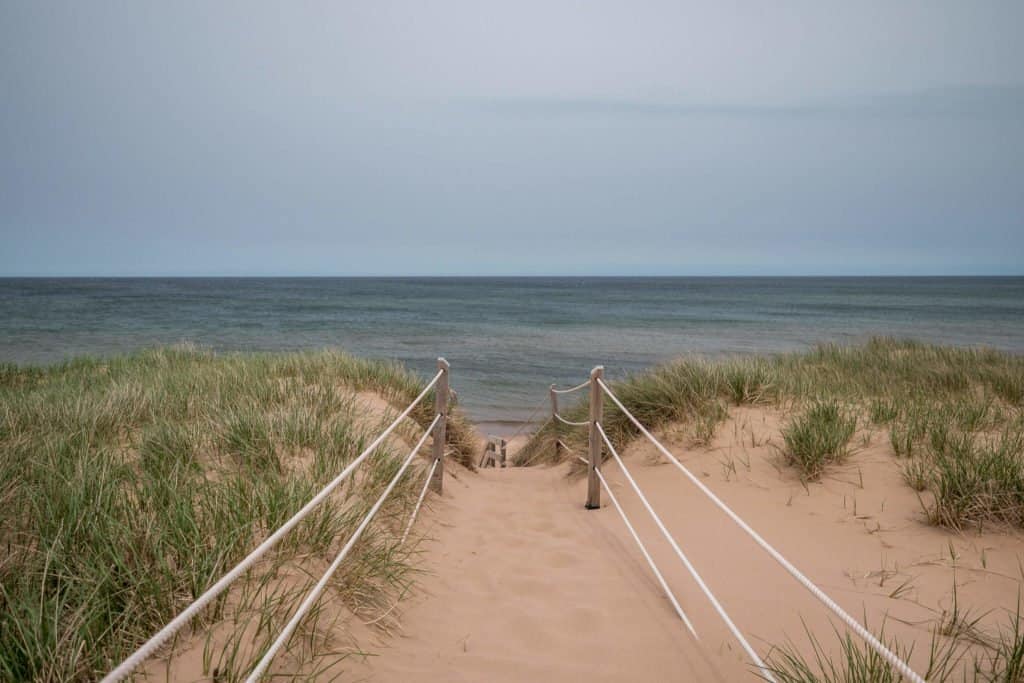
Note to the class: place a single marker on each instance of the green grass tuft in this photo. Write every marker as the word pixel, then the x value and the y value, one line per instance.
pixel 856 662
pixel 958 652
pixel 818 437
pixel 247 437
pixel 1010 387
pixel 978 480
pixel 883 411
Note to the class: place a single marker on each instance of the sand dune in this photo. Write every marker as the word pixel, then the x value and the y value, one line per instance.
pixel 525 584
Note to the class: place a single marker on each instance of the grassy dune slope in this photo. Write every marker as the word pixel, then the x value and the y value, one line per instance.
pixel 955 415
pixel 954 418
pixel 129 485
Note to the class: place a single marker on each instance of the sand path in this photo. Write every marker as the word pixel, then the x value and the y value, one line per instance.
pixel 526 585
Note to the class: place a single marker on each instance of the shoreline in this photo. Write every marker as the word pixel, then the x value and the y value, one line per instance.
pixel 505 428
pixel 507 339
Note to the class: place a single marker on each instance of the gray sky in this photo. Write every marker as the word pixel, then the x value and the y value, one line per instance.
pixel 511 138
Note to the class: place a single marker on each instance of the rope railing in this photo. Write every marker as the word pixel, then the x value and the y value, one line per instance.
pixel 555 416
pixel 554 393
pixel 683 558
pixel 147 649
pixel 571 389
pixel 900 665
pixel 647 555
pixel 419 501
pixel 318 589
pixel 569 422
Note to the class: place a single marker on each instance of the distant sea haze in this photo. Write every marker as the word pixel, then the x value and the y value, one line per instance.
pixel 506 338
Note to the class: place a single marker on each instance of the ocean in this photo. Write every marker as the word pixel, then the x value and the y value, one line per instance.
pixel 506 338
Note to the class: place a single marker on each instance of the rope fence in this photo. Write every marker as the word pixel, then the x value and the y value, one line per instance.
pixel 554 394
pixel 571 389
pixel 684 559
pixel 318 589
pixel 647 556
pixel 570 423
pixel 419 502
pixel 596 482
pixel 437 428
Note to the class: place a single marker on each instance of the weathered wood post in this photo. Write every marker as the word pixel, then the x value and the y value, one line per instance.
pixel 441 408
pixel 594 460
pixel 554 423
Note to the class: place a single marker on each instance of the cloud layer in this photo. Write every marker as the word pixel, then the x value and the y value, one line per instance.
pixel 511 138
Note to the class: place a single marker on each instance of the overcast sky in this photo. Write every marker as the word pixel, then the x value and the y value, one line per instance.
pixel 362 138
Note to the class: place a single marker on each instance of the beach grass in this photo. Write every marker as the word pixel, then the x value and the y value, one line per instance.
pixel 818 437
pixel 128 485
pixel 954 416
pixel 854 663
pixel 954 655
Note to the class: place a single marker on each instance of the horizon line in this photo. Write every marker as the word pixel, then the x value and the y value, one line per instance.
pixel 495 276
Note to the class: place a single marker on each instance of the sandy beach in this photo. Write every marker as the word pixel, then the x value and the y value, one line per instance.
pixel 524 584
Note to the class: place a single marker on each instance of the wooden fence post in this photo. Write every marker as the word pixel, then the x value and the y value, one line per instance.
pixel 441 408
pixel 554 422
pixel 594 459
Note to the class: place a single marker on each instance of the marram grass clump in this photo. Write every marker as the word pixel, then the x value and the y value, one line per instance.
pixel 129 485
pixel 967 453
pixel 818 437
pixel 977 479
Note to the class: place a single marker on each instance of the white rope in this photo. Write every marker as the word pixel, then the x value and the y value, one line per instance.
pixel 643 549
pixel 314 594
pixel 569 391
pixel 868 637
pixel 571 424
pixel 164 634
pixel 686 561
pixel 423 494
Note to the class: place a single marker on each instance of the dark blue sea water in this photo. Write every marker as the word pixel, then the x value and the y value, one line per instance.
pixel 507 338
